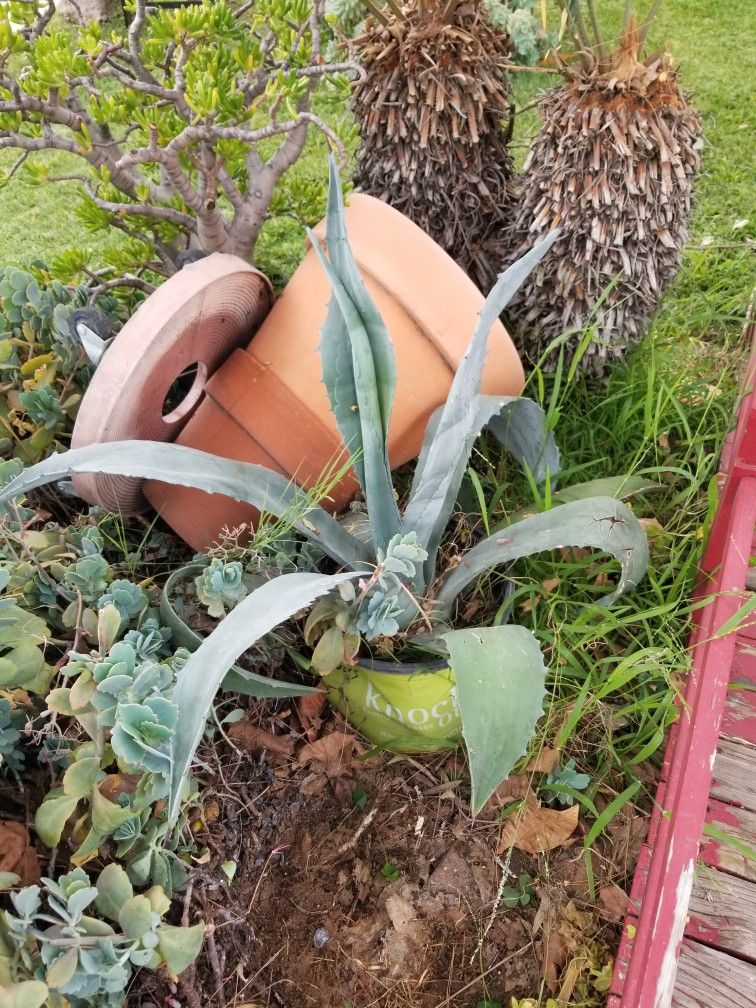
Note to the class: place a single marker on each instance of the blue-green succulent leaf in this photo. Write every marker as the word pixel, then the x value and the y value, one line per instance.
pixel 501 684
pixel 600 523
pixel 198 681
pixel 438 478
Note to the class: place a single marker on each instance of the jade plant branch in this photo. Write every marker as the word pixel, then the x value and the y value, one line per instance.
pixel 199 174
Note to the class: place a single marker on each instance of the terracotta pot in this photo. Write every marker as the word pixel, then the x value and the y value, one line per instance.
pixel 268 404
pixel 399 706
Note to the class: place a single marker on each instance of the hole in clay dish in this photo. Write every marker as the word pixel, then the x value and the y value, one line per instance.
pixel 185 393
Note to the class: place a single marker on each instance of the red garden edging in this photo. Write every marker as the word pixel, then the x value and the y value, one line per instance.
pixel 649 949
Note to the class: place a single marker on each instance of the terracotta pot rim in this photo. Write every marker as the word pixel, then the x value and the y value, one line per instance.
pixel 401 668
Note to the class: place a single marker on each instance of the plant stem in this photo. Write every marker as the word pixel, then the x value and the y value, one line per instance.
pixel 650 18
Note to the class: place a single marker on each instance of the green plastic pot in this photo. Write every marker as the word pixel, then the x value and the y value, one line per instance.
pixel 400 706
pixel 405 707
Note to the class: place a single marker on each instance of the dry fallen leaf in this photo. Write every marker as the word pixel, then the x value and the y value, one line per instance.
pixel 310 708
pixel 612 902
pixel 510 790
pixel 544 762
pixel 535 829
pixel 334 753
pixel 554 958
pixel 114 785
pixel 253 739
pixel 17 854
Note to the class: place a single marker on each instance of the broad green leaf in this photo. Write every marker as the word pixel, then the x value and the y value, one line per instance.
pixel 8 880
pixel 198 681
pixel 518 423
pixel 170 463
pixel 62 969
pixel 445 459
pixel 329 651
pixel 370 453
pixel 619 487
pixel 25 994
pixel 501 684
pixel 59 700
pixel 158 900
pixel 107 816
pixel 135 917
pixel 80 778
pixel 113 890
pixel 179 946
pixel 238 680
pixel 52 815
pixel 600 522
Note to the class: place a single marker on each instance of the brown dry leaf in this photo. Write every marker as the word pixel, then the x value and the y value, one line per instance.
pixel 114 785
pixel 554 958
pixel 253 739
pixel 582 921
pixel 626 836
pixel 310 708
pixel 17 853
pixel 544 762
pixel 314 784
pixel 334 753
pixel 550 584
pixel 535 829
pixel 510 790
pixel 613 902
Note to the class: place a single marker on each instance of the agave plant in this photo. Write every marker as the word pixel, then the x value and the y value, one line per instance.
pixel 393 561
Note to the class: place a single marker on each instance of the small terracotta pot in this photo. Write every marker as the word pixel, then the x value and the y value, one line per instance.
pixel 267 404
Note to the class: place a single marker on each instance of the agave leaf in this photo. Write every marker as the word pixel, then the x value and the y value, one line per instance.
pixel 501 683
pixel 170 463
pixel 619 487
pixel 345 267
pixel 521 428
pixel 519 424
pixel 438 480
pixel 600 522
pixel 335 349
pixel 198 681
pixel 238 680
pixel 361 385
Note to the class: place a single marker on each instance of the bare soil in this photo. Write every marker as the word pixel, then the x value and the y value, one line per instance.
pixel 363 883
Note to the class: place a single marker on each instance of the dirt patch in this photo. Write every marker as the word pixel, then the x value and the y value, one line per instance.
pixel 362 883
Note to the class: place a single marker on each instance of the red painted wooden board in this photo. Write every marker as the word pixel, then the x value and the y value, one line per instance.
pixel 653 934
pixel 735 850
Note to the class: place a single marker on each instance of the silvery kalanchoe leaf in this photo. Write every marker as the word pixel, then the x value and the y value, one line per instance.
pixel 142 733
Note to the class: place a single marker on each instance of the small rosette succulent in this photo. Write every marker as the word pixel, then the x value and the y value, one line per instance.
pixel 143 732
pixel 221 586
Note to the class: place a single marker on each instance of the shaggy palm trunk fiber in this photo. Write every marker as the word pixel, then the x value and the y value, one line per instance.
pixel 434 116
pixel 612 167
